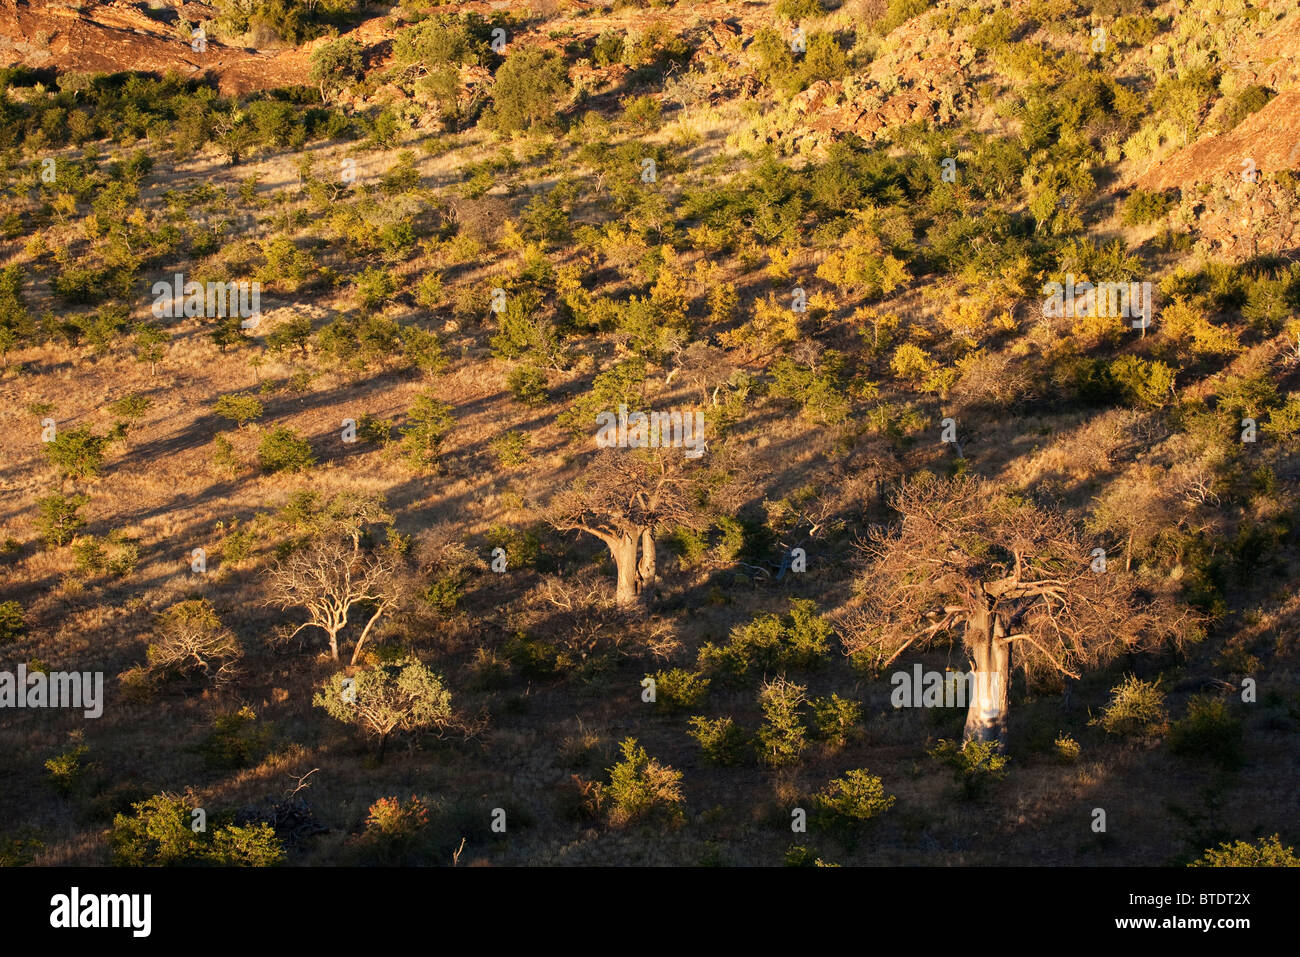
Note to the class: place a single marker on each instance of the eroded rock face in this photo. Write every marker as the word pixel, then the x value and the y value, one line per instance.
pixel 1238 220
pixel 922 78
pixel 111 37
pixel 1269 140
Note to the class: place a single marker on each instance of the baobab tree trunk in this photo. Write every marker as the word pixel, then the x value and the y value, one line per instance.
pixel 986 717
pixel 623 549
pixel 647 567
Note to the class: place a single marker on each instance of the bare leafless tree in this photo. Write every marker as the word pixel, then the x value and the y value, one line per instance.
pixel 189 637
pixel 1010 574
pixel 329 579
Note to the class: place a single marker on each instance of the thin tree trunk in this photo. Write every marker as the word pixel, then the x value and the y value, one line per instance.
pixel 986 718
pixel 383 746
pixel 334 645
pixel 356 652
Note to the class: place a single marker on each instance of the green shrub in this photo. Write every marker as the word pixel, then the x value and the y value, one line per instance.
pixel 782 736
pixel 445 593
pixel 423 350
pixel 975 765
pixel 88 554
pixel 236 740
pixel 375 286
pixel 397 695
pixel 721 740
pixel 282 450
pixel 797 10
pixel 1264 852
pixel 1066 749
pixel 1136 709
pixel 522 546
pixel 799 856
pixel 1208 733
pixel 799 639
pixel 527 383
pixel 818 393
pixel 254 845
pixel 608 48
pixel 224 459
pixel 835 718
pixel 527 90
pixel 241 408
pixel 1144 381
pixel 1145 206
pixel 511 449
pixel 158 832
pixel 1250 100
pixel 899 12
pixel 397 820
pixel 641 788
pixel 679 689
pixel 687 544
pixel 59 518
pixel 13 625
pixel 533 658
pixel 77 453
pixel 642 113
pixel 333 65
pixel 427 425
pixel 131 406
pixel 66 769
pixel 854 798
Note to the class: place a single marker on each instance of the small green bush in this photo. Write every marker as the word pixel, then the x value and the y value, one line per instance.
pixel 640 788
pixel 856 797
pixel 721 740
pixel 77 453
pixel 835 718
pixel 527 383
pixel 445 593
pixel 527 90
pixel 679 689
pixel 511 449
pixel 1136 709
pixel 797 10
pixel 799 639
pixel 59 518
pixel 282 450
pixel 1265 852
pixel 66 769
pixel 393 818
pixel 236 740
pixel 13 624
pixel 158 832
pixel 1145 206
pixel 427 425
pixel 782 736
pixel 1066 749
pixel 1208 733
pixel 241 408
pixel 975 765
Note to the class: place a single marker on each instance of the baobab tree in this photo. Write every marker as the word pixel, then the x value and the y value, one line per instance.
pixel 1012 576
pixel 622 498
